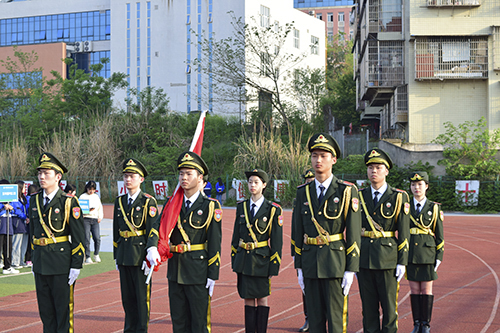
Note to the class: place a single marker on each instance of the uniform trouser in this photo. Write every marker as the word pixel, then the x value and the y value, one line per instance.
pixel 55 302
pixel 326 303
pixel 379 287
pixel 19 246
pixel 136 296
pixel 189 307
pixel 92 227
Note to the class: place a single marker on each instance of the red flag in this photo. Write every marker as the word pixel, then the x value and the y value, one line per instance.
pixel 173 207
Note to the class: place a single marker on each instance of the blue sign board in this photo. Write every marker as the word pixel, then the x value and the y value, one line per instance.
pixel 8 193
pixel 84 205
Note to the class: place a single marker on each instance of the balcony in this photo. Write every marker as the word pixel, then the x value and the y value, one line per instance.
pixel 453 3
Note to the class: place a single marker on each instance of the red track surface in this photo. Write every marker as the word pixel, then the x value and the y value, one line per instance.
pixel 467 292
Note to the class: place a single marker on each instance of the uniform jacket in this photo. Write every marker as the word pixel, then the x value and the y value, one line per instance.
pixel 58 258
pixel 16 219
pixel 267 225
pixel 386 252
pixel 426 249
pixel 337 212
pixel 202 224
pixel 131 251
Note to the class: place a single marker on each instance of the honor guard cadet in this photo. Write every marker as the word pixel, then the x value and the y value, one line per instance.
pixel 195 244
pixel 326 260
pixel 57 231
pixel 256 250
pixel 133 218
pixel 308 177
pixel 426 250
pixel 385 210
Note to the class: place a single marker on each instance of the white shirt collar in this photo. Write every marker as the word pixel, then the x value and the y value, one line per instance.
pixel 193 198
pixel 380 190
pixel 257 203
pixel 326 184
pixel 133 196
pixel 50 195
pixel 422 203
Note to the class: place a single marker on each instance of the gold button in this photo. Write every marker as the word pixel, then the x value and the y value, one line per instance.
pixel 341 248
pixel 44 215
pixel 126 239
pixel 416 243
pixel 201 257
pixel 319 213
pixel 371 241
pixel 248 251
pixel 390 244
pixel 321 246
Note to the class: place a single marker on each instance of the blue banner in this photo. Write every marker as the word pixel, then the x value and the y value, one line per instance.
pixel 84 205
pixel 8 193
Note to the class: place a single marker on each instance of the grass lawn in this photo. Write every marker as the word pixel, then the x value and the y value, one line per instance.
pixel 24 281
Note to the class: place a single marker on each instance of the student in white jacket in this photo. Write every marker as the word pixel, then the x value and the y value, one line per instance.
pixel 91 221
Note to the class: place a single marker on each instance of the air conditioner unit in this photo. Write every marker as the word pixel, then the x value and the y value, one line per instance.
pixel 78 47
pixel 311 12
pixel 87 46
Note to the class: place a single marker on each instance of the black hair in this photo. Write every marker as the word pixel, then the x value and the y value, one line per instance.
pixel 32 189
pixel 21 196
pixel 69 188
pixel 91 185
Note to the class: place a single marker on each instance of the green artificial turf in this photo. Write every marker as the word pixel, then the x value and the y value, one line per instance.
pixel 24 281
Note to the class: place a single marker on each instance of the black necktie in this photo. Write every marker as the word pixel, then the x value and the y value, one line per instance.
pixel 188 204
pixel 321 195
pixel 252 211
pixel 418 208
pixel 47 200
pixel 375 199
pixel 130 203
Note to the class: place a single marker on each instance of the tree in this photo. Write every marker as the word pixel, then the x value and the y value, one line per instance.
pixel 309 87
pixel 252 58
pixel 470 149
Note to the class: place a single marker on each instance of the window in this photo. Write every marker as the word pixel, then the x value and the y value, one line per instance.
pixel 438 3
pixel 319 16
pixel 496 47
pixel 330 17
pixel 296 38
pixel 384 17
pixel 385 65
pixel 264 16
pixel 265 64
pixel 451 57
pixel 276 26
pixel 314 45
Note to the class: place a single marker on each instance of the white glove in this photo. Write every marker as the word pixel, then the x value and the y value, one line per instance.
pixel 400 272
pixel 438 262
pixel 347 282
pixel 210 286
pixel 153 256
pixel 73 275
pixel 145 268
pixel 116 266
pixel 300 278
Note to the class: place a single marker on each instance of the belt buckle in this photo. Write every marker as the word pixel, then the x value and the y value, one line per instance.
pixel 320 241
pixel 249 246
pixel 181 248
pixel 42 241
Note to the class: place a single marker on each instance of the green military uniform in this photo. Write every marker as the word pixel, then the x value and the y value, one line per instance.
pixel 131 227
pixel 382 251
pixel 426 248
pixel 191 266
pixel 57 234
pixel 321 250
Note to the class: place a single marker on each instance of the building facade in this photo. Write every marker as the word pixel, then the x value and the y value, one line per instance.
pixel 421 63
pixel 156 43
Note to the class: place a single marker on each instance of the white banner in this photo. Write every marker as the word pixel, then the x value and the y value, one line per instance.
pixel 98 189
pixel 121 187
pixel 27 184
pixel 238 185
pixel 62 184
pixel 161 189
pixel 280 186
pixel 469 190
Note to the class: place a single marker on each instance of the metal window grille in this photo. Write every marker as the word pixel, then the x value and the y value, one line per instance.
pixel 453 3
pixel 314 45
pixel 296 38
pixel 496 47
pixel 451 58
pixel 385 15
pixel 264 16
pixel 385 65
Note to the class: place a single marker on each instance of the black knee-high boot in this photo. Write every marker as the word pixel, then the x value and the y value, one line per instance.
pixel 416 310
pixel 250 318
pixel 262 317
pixel 427 303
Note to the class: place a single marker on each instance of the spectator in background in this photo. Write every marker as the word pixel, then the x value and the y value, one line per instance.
pixel 21 231
pixel 32 189
pixel 219 189
pixel 91 221
pixel 208 187
pixel 70 189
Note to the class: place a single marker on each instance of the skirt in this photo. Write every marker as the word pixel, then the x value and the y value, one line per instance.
pixel 420 272
pixel 253 286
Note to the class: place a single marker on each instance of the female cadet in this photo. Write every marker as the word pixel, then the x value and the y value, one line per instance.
pixel 256 250
pixel 426 251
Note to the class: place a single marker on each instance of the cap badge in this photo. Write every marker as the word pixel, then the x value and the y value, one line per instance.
pixel 44 158
pixel 374 154
pixel 254 170
pixel 321 138
pixel 187 157
pixel 130 162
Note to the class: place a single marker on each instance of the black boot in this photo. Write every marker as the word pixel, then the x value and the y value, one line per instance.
pixel 416 310
pixel 262 316
pixel 427 302
pixel 250 318
pixel 305 327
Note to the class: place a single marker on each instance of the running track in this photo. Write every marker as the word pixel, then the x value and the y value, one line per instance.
pixel 467 292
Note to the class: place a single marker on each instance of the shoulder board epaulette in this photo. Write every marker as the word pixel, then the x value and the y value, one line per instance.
pixel 241 201
pixel 340 181
pixel 148 195
pixel 213 199
pixel 302 185
pixel 275 205
pixel 39 191
pixel 437 203
pixel 68 195
pixel 397 189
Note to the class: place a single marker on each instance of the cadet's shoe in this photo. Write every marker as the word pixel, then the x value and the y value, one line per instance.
pixel 305 327
pixel 10 270
pixel 89 261
pixel 97 258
